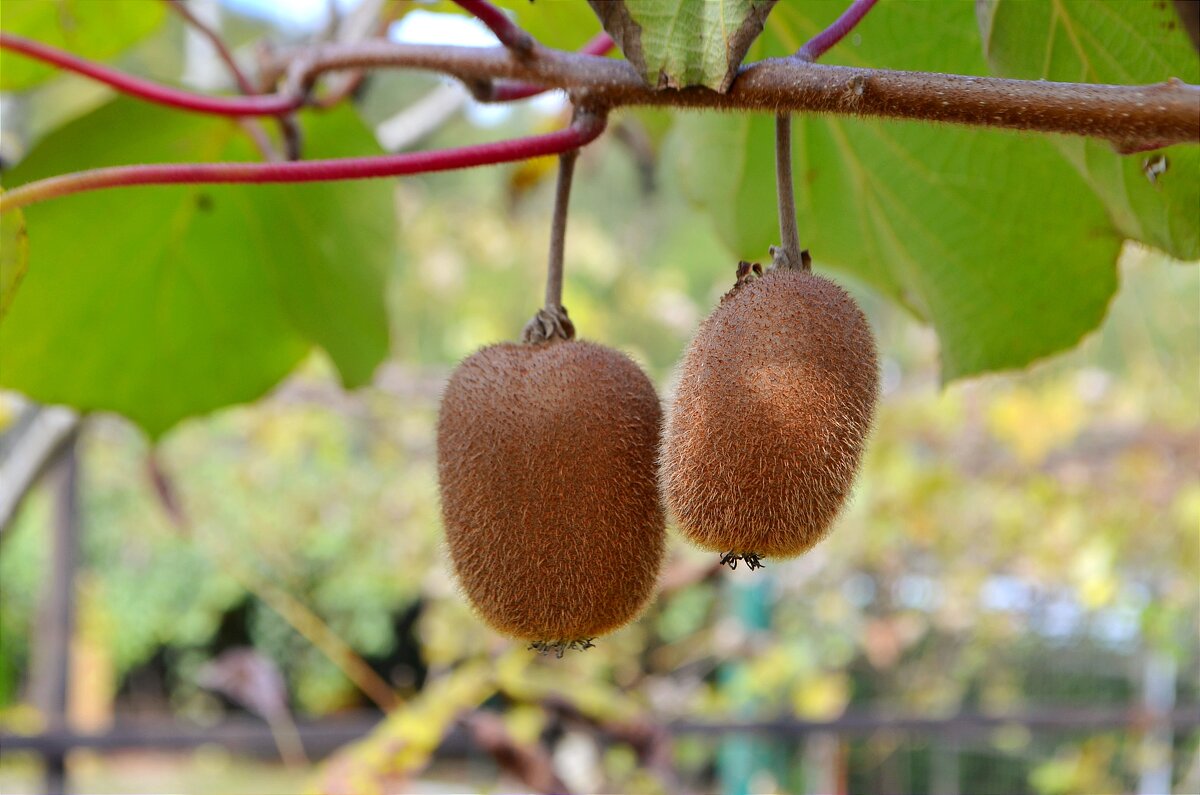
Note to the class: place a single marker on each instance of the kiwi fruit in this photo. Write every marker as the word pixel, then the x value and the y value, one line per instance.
pixel 776 396
pixel 547 457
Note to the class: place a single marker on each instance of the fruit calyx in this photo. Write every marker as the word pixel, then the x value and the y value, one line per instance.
pixel 752 560
pixel 550 323
pixel 560 647
pixel 782 260
pixel 746 273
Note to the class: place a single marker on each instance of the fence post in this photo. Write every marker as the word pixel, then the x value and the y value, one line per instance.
pixel 1158 699
pixel 51 652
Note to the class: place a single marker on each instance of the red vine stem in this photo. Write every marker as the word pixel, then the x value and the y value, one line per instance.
pixel 508 32
pixel 263 105
pixel 584 129
pixel 818 45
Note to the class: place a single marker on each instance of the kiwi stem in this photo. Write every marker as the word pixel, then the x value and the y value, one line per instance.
pixel 787 255
pixel 558 229
pixel 551 321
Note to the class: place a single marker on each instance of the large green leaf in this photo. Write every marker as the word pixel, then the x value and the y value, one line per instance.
pixel 990 235
pixel 94 29
pixel 164 302
pixel 677 43
pixel 14 256
pixel 1117 41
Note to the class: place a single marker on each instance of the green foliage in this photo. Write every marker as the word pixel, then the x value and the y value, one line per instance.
pixel 14 256
pixel 87 28
pixel 164 302
pixel 1126 43
pixel 678 43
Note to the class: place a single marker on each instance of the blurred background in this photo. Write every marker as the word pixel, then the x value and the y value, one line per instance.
pixel 1010 603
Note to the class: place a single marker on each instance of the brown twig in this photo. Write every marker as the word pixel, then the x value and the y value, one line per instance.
pixel 218 44
pixel 1130 117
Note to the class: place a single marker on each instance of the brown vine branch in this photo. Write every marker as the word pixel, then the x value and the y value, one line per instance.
pixel 1131 117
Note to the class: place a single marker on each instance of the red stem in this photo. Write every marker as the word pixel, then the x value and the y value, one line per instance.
pixel 507 91
pixel 585 128
pixel 263 105
pixel 600 44
pixel 821 43
pixel 508 32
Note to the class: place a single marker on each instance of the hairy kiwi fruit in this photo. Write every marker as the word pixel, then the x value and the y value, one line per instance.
pixel 775 399
pixel 547 458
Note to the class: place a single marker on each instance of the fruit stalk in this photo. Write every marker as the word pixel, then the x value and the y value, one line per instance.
pixel 787 254
pixel 558 228
pixel 551 321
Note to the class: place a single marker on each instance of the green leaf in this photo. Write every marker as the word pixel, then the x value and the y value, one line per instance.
pixel 14 256
pixel 94 29
pixel 164 302
pixel 1122 42
pixel 331 247
pixel 989 235
pixel 677 43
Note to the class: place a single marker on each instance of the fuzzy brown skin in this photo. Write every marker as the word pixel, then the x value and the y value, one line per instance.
pixel 547 457
pixel 776 397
